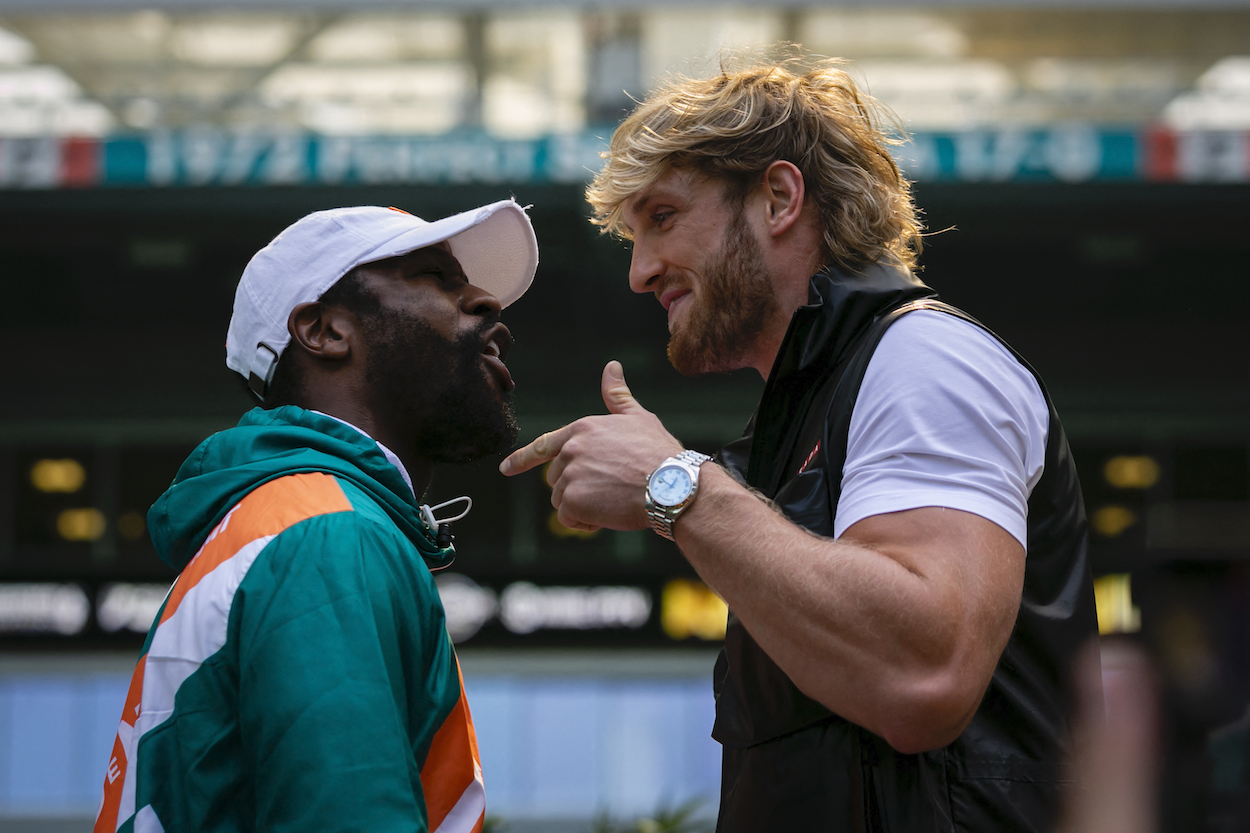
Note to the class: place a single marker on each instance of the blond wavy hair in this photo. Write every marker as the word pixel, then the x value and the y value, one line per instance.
pixel 733 125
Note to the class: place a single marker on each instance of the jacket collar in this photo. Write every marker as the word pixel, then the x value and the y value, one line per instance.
pixel 268 444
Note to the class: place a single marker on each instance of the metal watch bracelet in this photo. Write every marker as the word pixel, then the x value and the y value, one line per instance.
pixel 662 517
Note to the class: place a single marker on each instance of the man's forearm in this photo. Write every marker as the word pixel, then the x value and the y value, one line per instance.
pixel 881 635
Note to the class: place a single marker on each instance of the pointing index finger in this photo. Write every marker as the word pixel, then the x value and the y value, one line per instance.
pixel 544 448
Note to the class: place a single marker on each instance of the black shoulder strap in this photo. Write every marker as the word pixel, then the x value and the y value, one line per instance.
pixel 846 391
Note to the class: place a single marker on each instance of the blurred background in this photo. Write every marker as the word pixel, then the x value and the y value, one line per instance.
pixel 1087 164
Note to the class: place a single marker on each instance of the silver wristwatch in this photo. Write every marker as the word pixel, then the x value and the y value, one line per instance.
pixel 671 489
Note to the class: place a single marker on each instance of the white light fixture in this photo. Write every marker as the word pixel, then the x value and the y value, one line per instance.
pixel 981 81
pixel 538 76
pixel 233 42
pixel 1220 102
pixel 854 33
pixel 15 49
pixel 310 82
pixel 1103 79
pixel 688 40
pixel 1230 76
pixel 378 38
pixel 59 118
pixel 40 83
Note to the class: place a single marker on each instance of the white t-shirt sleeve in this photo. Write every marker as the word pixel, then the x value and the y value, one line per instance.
pixel 946 417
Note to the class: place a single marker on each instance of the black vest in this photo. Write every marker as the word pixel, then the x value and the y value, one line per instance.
pixel 792 765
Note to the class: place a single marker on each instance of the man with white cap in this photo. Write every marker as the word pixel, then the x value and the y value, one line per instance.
pixel 299 675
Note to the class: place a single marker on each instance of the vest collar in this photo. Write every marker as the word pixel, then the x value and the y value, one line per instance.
pixel 842 305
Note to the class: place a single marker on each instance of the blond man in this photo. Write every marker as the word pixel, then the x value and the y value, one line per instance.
pixel 900 534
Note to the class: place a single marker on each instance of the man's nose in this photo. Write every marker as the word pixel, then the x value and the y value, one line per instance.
pixel 477 301
pixel 645 268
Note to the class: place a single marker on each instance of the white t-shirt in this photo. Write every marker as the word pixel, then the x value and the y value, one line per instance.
pixel 946 417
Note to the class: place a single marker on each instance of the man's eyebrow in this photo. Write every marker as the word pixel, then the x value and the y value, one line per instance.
pixel 437 251
pixel 434 256
pixel 640 201
pixel 638 204
pixel 450 263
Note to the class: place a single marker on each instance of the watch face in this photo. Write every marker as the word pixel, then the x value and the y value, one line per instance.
pixel 670 485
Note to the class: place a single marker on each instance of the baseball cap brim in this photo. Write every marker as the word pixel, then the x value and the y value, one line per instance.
pixel 495 245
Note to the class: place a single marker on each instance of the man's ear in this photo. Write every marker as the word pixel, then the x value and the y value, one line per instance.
pixel 782 191
pixel 322 331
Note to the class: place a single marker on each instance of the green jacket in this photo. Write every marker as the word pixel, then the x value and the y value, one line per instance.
pixel 299 675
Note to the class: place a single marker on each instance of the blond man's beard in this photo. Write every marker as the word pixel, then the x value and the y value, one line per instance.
pixel 736 301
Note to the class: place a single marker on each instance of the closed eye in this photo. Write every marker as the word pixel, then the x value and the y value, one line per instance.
pixel 441 275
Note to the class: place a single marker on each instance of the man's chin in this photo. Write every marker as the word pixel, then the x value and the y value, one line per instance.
pixel 486 447
pixel 467 456
pixel 696 359
pixel 469 434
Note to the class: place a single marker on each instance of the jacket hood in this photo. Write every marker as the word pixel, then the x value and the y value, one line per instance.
pixel 266 445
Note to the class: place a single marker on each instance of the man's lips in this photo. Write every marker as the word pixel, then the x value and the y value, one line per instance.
pixel 668 296
pixel 674 300
pixel 494 351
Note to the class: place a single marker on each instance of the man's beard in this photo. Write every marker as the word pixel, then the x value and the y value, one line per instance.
pixel 735 302
pixel 438 388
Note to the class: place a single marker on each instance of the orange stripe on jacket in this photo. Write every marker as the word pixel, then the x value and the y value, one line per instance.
pixel 452 763
pixel 115 777
pixel 267 510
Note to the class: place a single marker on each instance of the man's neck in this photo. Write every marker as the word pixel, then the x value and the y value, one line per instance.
pixel 769 342
pixel 793 262
pixel 417 470
pixel 768 346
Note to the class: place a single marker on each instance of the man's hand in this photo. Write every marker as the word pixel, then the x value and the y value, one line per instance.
pixel 600 464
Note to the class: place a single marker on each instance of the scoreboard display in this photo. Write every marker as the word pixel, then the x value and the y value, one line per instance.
pixel 79 569
pixel 1128 298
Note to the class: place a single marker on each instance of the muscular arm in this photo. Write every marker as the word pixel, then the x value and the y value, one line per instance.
pixel 896 626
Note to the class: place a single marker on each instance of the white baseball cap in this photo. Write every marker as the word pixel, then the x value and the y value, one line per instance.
pixel 495 245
